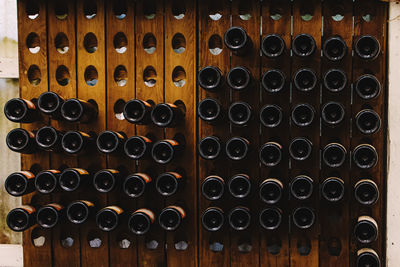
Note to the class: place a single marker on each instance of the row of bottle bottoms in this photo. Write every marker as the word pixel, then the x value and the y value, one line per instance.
pixel 213 187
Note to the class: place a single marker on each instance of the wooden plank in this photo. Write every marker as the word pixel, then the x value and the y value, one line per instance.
pixel 33 70
pixel 174 64
pixel 91 70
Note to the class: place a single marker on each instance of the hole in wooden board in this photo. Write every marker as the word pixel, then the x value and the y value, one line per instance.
pixel 306 11
pixel 32 9
pixel 66 239
pixel 33 43
pixel 178 9
pixel 149 43
pixel 35 168
pixel 244 10
pixel 181 105
pixel 91 75
pixel 120 9
pixel 244 245
pixel 61 43
pixel 338 12
pixel 179 76
pixel 304 246
pixel 275 13
pixel 151 244
pixel 123 241
pixel 121 75
pixel 334 246
pixel 367 17
pixel 90 9
pixel 94 239
pixel 62 75
pixel 216 246
pixel 179 43
pixel 181 245
pixel 61 9
pixel 90 42
pixel 120 42
pixel 119 109
pixel 149 9
pixel 38 237
pixel 34 75
pixel 215 45
pixel 149 76
pixel 215 9
pixel 274 245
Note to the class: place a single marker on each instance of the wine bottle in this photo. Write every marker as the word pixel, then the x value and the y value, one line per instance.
pixel 108 218
pixel 300 148
pixel 21 141
pixel 210 78
pixel 49 139
pixel 138 147
pixel 271 191
pixel 271 116
pixel 212 219
pixel 20 183
pixel 304 217
pixel 210 110
pixel 141 221
pixel 105 181
pixel 171 217
pixel 72 179
pixel 334 155
pixel 302 187
pixel 303 45
pixel 76 110
pixel 271 154
pixel 21 218
pixel 368 87
pixel 335 80
pixel 21 111
pixel 50 104
pixel 332 189
pixel 210 147
pixel 239 78
pixel 332 113
pixel 237 40
pixel 213 187
pixel 168 183
pixel 273 46
pixel 50 215
pixel 165 151
pixel 239 113
pixel 237 148
pixel 168 115
pixel 367 257
pixel 270 218
pixel 335 48
pixel 303 115
pixel 77 142
pixel 367 47
pixel 111 142
pixel 239 185
pixel 305 80
pixel 366 230
pixel 365 156
pixel 46 181
pixel 273 81
pixel 79 211
pixel 368 121
pixel 138 111
pixel 136 184
pixel 239 218
pixel 366 192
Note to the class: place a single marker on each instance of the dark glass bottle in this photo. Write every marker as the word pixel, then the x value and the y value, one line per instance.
pixel 271 116
pixel 271 154
pixel 105 181
pixel 72 179
pixel 239 78
pixel 335 48
pixel 136 184
pixel 335 80
pixel 165 151
pixel 50 104
pixel 49 139
pixel 271 191
pixel 270 218
pixel 21 218
pixel 334 155
pixel 237 148
pixel 367 47
pixel 210 78
pixel 303 115
pixel 137 111
pixel 212 219
pixel 366 230
pixel 239 186
pixel 237 40
pixel 141 221
pixel 273 81
pixel 171 217
pixel 368 87
pixel 239 218
pixel 168 183
pixel 300 148
pixel 50 215
pixel 302 187
pixel 368 121
pixel 213 187
pixel 111 142
pixel 367 257
pixel 303 45
pixel 304 217
pixel 77 142
pixel 332 113
pixel 332 189
pixel 239 113
pixel 138 147
pixel 366 192
pixel 20 183
pixel 210 147
pixel 210 110
pixel 365 156
pixel 168 115
pixel 305 80
pixel 21 141
pixel 76 110
pixel 46 181
pixel 79 211
pixel 21 111
pixel 108 218
pixel 273 46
